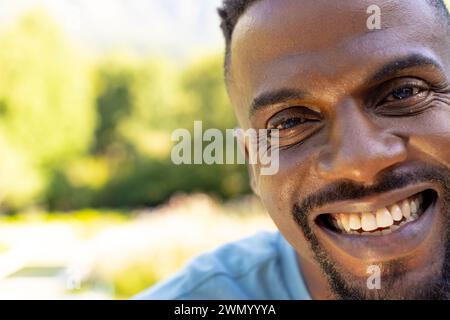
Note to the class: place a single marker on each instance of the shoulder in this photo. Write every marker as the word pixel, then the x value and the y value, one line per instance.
pixel 238 270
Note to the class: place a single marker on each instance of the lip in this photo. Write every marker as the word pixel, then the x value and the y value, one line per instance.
pixel 401 242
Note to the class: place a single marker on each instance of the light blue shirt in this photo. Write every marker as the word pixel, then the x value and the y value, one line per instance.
pixel 261 267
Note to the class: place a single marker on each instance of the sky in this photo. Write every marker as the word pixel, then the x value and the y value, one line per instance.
pixel 169 27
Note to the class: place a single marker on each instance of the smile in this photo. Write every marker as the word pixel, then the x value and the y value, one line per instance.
pixel 381 221
pixel 381 226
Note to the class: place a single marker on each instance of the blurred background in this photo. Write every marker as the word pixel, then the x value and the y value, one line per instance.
pixel 91 205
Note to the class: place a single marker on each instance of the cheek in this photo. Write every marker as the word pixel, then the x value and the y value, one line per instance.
pixel 431 137
pixel 279 193
pixel 296 177
pixel 427 134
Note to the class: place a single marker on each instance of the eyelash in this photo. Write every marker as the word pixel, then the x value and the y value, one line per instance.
pixel 298 119
pixel 414 86
pixel 409 106
pixel 416 90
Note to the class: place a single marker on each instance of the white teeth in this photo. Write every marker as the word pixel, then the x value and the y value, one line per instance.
pixel 368 222
pixel 338 223
pixel 406 209
pixel 345 220
pixel 396 212
pixel 384 218
pixel 355 221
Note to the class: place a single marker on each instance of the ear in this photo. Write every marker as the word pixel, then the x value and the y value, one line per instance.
pixel 243 147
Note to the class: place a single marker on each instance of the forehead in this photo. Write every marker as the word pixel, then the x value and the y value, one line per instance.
pixel 323 43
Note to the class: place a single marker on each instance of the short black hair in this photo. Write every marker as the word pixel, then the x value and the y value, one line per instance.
pixel 231 11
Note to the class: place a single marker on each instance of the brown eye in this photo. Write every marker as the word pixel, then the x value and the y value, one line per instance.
pixel 290 123
pixel 295 124
pixel 403 93
pixel 403 97
pixel 292 118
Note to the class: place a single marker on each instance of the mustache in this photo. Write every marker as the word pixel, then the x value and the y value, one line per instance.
pixel 348 190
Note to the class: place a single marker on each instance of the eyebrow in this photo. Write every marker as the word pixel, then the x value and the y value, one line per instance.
pixel 273 97
pixel 393 68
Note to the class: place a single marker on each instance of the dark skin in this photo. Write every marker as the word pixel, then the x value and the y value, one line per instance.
pixel 372 102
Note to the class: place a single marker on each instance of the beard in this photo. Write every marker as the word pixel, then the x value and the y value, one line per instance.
pixel 398 281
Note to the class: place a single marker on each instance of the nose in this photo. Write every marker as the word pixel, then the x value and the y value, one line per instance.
pixel 358 150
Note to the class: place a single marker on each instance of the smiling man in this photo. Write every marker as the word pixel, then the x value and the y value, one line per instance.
pixel 364 131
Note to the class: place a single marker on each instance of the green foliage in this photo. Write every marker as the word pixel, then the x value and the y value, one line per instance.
pixel 150 182
pixel 20 181
pixel 204 84
pixel 45 92
pixel 134 279
pixel 46 104
pixel 114 79
pixel 81 133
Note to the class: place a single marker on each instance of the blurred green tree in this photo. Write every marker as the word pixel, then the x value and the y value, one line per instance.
pixel 46 108
pixel 162 101
pixel 206 96
pixel 114 79
pixel 76 132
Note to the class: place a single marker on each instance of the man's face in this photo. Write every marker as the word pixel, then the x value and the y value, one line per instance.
pixel 364 123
